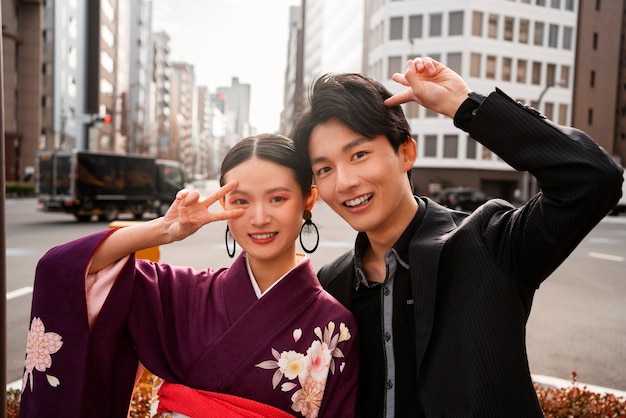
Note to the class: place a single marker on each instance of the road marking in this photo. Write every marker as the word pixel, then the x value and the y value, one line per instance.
pixel 606 256
pixel 18 251
pixel 19 292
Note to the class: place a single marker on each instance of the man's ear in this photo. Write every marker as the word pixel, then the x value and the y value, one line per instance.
pixel 223 202
pixel 408 153
pixel 311 198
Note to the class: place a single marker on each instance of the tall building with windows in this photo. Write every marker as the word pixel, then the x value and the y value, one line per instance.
pixel 23 103
pixel 181 120
pixel 600 78
pixel 524 47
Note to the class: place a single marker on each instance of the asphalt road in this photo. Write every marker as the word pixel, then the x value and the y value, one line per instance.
pixel 577 322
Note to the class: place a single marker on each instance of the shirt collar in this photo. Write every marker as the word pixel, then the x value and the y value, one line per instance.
pixel 400 249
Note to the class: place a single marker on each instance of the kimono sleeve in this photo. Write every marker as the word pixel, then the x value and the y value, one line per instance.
pixel 70 370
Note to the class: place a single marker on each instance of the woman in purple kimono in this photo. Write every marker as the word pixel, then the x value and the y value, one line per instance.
pixel 258 339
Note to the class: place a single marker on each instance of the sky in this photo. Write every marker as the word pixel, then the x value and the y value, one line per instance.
pixel 223 39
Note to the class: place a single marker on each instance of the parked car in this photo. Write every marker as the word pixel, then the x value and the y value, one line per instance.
pixel 462 198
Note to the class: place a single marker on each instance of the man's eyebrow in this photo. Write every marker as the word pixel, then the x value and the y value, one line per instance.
pixel 347 147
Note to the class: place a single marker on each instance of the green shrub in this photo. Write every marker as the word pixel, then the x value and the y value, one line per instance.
pixel 20 189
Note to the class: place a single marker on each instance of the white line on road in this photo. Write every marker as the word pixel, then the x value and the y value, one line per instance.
pixel 19 292
pixel 606 256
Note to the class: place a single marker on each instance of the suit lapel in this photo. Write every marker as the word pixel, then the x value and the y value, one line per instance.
pixel 424 253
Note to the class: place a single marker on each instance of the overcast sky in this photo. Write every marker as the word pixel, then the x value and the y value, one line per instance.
pixel 232 38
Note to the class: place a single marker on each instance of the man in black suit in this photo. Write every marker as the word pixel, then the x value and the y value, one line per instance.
pixel 442 297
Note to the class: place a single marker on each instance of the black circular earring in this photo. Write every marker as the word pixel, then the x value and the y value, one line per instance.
pixel 308 227
pixel 230 241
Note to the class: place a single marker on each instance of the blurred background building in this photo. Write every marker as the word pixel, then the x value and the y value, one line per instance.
pixel 92 74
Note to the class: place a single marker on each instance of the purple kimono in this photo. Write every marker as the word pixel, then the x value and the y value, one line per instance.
pixel 294 348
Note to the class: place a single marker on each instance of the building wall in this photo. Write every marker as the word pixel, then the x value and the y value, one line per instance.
pixel 600 83
pixel 483 41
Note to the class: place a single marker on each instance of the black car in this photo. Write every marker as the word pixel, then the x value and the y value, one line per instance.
pixel 462 198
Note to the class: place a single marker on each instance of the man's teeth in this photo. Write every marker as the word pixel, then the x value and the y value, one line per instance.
pixel 262 236
pixel 358 201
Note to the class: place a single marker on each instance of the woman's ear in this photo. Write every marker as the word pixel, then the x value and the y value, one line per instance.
pixel 311 198
pixel 223 202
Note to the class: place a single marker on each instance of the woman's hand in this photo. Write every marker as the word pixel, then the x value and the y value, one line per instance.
pixel 188 212
pixel 432 85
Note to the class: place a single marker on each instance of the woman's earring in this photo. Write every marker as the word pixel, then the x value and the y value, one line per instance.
pixel 308 227
pixel 230 242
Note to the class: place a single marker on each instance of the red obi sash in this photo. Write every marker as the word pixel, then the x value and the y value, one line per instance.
pixel 199 403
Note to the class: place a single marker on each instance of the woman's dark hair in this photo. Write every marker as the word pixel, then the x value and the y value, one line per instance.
pixel 269 147
pixel 357 101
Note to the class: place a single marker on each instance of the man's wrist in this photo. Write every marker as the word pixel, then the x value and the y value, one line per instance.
pixel 465 113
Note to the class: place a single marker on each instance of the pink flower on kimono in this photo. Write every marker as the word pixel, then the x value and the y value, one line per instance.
pixel 319 358
pixel 308 400
pixel 39 346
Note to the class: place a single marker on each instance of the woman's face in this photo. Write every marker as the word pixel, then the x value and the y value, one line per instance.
pixel 273 209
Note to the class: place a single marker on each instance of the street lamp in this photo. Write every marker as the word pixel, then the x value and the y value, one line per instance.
pixel 525 175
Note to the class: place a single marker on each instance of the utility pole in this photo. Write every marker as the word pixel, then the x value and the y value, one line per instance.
pixel 3 245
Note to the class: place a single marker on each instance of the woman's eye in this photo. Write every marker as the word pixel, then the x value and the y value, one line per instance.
pixel 239 202
pixel 277 199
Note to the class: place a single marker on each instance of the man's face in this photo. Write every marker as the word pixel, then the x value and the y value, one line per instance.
pixel 361 179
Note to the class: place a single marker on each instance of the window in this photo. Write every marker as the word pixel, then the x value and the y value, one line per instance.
pixel 555 4
pixel 524 26
pixel 455 26
pixel 569 5
pixel 415 26
pixel 491 67
pixel 450 146
pixel 536 73
pixel 540 2
pixel 395 28
pixel 470 150
pixel 508 28
pixel 590 116
pixel 550 74
pixel 592 79
pixel 477 24
pixel 565 75
pixel 567 37
pixel 562 114
pixel 595 40
pixel 412 110
pixel 553 36
pixel 493 26
pixel 506 68
pixel 430 145
pixel 475 65
pixel 394 65
pixel 435 24
pixel 548 110
pixel 454 61
pixel 521 71
pixel 538 34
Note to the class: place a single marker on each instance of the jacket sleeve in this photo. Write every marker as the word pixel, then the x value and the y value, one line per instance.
pixel 579 184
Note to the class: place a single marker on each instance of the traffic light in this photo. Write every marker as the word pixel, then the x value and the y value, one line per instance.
pixel 102 118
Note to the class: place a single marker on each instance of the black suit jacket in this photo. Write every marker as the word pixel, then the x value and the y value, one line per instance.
pixel 474 276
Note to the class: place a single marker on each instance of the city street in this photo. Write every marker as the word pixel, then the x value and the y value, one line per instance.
pixel 577 322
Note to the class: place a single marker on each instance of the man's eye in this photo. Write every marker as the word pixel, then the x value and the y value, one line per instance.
pixel 322 170
pixel 358 155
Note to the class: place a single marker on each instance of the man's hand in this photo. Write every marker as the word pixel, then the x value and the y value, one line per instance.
pixel 432 85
